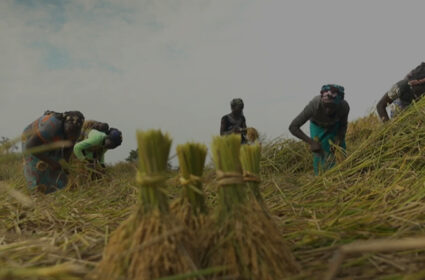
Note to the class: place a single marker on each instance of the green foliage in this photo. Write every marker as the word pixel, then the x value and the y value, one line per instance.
pixel 133 156
pixel 7 146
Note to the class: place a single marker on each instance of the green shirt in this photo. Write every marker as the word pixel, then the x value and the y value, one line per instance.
pixel 91 148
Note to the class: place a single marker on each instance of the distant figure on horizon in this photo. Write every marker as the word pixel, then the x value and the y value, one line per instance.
pixel 403 93
pixel 234 122
pixel 42 169
pixel 328 116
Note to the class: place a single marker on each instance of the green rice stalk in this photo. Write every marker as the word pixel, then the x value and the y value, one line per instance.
pixel 192 160
pixel 232 190
pixel 151 244
pixel 153 149
pixel 190 208
pixel 246 240
pixel 250 159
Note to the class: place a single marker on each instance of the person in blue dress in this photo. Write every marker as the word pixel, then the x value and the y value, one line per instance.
pixel 42 169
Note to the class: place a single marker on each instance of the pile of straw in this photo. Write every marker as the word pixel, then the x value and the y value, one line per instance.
pixel 286 156
pixel 377 192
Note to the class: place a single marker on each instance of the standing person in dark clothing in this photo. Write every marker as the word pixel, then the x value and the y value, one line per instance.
pixel 235 121
pixel 403 93
pixel 328 116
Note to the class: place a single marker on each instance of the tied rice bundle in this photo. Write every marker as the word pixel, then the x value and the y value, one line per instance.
pixel 246 241
pixel 250 159
pixel 190 208
pixel 150 244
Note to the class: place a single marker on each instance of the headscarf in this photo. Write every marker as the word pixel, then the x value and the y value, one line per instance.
pixel 75 117
pixel 332 93
pixel 115 136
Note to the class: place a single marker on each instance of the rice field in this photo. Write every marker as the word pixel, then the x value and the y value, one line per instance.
pixel 364 219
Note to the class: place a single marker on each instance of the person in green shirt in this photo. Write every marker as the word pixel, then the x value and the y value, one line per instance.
pixel 92 124
pixel 93 148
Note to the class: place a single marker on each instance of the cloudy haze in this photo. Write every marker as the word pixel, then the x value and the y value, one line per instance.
pixel 176 64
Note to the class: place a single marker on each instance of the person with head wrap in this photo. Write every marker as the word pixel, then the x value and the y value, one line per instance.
pixel 93 148
pixel 328 116
pixel 42 169
pixel 403 93
pixel 234 122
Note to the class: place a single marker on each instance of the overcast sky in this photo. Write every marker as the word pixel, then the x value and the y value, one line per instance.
pixel 176 64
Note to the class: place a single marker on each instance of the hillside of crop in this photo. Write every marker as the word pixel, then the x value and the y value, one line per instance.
pixel 375 195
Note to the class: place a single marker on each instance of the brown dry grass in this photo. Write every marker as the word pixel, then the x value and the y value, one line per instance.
pixel 378 192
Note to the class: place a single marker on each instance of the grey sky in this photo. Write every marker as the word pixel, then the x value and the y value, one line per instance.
pixel 176 64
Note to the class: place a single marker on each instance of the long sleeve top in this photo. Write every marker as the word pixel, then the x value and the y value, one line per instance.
pixel 91 148
pixel 315 112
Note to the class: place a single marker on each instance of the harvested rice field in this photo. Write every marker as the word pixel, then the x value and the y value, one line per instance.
pixel 363 219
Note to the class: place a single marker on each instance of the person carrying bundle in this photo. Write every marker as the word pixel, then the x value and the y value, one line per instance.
pixel 234 122
pixel 328 115
pixel 93 148
pixel 42 169
pixel 403 93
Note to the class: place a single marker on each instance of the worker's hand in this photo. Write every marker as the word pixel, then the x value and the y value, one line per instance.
pixel 414 82
pixel 315 147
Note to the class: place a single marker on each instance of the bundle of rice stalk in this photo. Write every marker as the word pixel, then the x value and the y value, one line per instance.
pixel 191 208
pixel 150 244
pixel 250 159
pixel 192 203
pixel 246 241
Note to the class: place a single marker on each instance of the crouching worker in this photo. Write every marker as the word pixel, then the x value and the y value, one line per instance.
pixel 403 93
pixel 328 115
pixel 235 121
pixel 92 150
pixel 42 169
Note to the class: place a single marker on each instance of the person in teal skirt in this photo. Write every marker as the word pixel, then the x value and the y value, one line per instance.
pixel 328 116
pixel 42 169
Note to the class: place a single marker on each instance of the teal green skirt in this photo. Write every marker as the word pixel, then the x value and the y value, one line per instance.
pixel 326 159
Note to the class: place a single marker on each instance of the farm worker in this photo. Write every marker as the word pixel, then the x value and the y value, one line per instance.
pixel 91 124
pixel 235 121
pixel 42 169
pixel 93 148
pixel 328 115
pixel 401 95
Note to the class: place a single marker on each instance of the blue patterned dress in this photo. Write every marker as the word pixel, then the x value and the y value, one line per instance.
pixel 39 174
